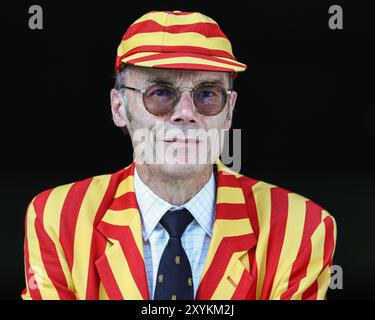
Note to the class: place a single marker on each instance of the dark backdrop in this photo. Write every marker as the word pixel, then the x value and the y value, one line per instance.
pixel 306 108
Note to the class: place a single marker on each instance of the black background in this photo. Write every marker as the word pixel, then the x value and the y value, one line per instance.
pixel 306 108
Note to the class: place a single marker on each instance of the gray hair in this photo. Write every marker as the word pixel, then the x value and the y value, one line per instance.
pixel 120 78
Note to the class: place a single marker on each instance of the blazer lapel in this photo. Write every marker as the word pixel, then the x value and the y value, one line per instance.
pixel 226 273
pixel 121 267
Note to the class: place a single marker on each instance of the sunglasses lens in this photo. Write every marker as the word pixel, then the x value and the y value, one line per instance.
pixel 159 99
pixel 209 99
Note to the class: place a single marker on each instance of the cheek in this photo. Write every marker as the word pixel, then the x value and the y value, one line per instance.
pixel 138 114
pixel 143 122
pixel 216 122
pixel 214 132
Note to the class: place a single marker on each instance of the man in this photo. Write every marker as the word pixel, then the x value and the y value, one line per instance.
pixel 169 226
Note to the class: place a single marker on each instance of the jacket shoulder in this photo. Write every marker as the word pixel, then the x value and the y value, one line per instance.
pixel 269 204
pixel 68 198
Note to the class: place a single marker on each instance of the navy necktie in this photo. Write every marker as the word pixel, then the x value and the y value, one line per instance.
pixel 174 278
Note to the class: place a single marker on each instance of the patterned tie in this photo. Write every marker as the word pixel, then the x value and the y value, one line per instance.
pixel 174 278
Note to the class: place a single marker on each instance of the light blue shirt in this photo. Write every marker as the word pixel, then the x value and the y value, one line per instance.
pixel 196 238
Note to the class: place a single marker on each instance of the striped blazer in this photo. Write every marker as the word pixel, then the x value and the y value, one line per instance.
pixel 83 241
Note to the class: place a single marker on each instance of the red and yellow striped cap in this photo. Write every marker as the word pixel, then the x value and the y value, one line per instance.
pixel 177 40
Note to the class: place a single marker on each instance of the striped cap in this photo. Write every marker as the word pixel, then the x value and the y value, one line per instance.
pixel 177 40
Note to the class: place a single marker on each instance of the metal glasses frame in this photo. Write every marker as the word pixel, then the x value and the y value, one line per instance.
pixel 190 89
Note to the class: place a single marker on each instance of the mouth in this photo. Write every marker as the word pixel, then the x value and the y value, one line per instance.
pixel 182 141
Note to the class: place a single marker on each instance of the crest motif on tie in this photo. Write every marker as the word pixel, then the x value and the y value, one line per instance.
pixel 190 282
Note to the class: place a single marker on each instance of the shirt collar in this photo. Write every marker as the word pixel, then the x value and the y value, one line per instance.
pixel 152 207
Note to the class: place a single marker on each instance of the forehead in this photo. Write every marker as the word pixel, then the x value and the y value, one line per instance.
pixel 174 76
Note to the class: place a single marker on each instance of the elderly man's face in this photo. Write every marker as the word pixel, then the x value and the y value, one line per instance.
pixel 182 141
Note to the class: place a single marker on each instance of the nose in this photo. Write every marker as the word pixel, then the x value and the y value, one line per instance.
pixel 184 110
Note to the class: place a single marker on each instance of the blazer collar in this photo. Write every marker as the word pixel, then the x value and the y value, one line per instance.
pixel 226 273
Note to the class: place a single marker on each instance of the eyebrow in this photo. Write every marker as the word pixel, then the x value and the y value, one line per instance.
pixel 160 80
pixel 212 81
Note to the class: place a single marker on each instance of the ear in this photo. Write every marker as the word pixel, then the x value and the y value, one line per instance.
pixel 117 108
pixel 231 104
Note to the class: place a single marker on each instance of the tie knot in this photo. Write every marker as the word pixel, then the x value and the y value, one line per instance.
pixel 175 222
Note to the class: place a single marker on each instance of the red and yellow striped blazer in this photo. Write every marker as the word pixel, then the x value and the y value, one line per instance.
pixel 84 241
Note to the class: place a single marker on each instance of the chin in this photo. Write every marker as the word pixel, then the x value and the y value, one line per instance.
pixel 178 165
pixel 181 170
